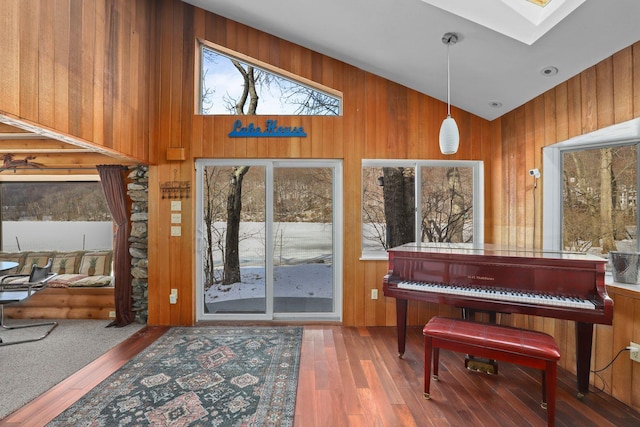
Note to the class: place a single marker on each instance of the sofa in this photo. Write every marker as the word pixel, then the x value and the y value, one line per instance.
pixel 76 269
pixel 83 287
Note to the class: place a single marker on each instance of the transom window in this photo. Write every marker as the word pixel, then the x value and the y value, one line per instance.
pixel 235 84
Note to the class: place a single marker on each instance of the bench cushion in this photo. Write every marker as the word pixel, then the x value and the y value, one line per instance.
pixel 496 337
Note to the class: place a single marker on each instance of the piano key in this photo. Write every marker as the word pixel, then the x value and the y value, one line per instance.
pixel 499 294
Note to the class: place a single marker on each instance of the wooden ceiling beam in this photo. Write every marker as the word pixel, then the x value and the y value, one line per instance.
pixel 38 146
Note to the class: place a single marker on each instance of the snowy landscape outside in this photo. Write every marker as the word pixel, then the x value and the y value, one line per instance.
pixel 56 235
pixel 303 264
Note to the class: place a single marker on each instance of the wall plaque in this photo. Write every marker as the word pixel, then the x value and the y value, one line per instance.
pixel 270 130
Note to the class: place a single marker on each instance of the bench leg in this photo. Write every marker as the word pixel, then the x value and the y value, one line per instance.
pixel 551 379
pixel 436 362
pixel 428 345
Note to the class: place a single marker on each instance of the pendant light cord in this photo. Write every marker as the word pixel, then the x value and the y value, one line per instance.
pixel 448 82
pixel 449 39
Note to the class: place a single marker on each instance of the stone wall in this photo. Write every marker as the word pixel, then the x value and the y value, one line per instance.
pixel 137 189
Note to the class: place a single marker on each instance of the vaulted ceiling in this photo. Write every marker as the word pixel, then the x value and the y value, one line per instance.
pixel 503 49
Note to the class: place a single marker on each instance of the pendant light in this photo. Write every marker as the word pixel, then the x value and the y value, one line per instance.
pixel 449 134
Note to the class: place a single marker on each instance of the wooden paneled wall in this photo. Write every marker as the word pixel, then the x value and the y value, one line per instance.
pixel 81 68
pixel 121 74
pixel 380 119
pixel 603 95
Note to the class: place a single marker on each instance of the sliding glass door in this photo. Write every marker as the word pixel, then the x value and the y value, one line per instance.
pixel 268 240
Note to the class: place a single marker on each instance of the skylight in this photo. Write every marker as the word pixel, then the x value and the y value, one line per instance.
pixel 523 20
pixel 541 3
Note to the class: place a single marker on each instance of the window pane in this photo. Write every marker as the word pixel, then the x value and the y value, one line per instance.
pixel 600 200
pixel 447 204
pixel 447 208
pixel 303 240
pixel 224 80
pixel 374 227
pixel 64 216
pixel 234 236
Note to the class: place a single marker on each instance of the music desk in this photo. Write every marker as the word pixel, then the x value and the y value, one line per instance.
pixel 10 293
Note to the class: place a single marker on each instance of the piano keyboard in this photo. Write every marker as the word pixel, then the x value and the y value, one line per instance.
pixel 499 294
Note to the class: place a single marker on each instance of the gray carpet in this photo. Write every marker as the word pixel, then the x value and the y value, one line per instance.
pixel 28 370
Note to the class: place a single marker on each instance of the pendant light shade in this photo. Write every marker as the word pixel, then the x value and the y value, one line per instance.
pixel 449 134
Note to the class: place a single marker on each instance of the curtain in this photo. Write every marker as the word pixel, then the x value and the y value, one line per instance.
pixel 114 189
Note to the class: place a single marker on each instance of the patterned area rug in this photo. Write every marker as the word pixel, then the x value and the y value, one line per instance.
pixel 201 376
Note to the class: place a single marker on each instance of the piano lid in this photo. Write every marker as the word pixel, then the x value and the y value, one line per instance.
pixel 493 250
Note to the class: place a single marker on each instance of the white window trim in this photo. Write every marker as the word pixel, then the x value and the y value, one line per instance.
pixel 478 194
pixel 338 232
pixel 621 134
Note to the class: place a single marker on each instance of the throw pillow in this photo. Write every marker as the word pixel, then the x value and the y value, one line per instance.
pixel 39 258
pixel 95 264
pixel 65 262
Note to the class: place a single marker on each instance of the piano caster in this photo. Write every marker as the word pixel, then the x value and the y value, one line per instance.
pixel 543 405
pixel 427 396
pixel 434 377
pixel 580 396
pixel 400 355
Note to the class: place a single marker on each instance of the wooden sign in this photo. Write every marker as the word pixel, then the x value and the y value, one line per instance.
pixel 270 130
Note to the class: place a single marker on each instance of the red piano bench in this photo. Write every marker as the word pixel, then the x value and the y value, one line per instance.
pixel 520 346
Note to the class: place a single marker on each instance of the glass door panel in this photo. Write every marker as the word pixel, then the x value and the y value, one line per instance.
pixel 233 255
pixel 303 240
pixel 277 253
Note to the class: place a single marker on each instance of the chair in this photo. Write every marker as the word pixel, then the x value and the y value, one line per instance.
pixel 18 287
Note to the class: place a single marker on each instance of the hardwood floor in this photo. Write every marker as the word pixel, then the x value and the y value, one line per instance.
pixel 353 377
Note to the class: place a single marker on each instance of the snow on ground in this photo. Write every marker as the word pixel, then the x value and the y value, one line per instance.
pixel 303 280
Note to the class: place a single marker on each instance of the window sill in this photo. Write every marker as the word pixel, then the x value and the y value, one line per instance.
pixel 628 289
pixel 374 257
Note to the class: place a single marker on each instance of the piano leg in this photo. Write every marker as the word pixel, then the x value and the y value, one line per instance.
pixel 401 321
pixel 584 340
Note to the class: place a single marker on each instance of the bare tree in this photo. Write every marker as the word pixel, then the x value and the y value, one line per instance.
pixel 234 208
pixel 213 212
pixel 606 201
pixel 399 205
pixel 599 202
pixel 447 204
pixel 247 104
pixel 389 206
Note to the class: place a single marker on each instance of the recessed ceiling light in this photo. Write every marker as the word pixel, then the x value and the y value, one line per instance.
pixel 495 104
pixel 549 71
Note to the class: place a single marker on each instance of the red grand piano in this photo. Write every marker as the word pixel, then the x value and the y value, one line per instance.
pixel 560 285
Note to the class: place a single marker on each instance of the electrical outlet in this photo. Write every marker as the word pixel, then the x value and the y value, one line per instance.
pixel 634 353
pixel 374 294
pixel 173 296
pixel 112 314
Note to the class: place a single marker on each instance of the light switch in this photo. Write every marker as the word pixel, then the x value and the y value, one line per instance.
pixel 176 205
pixel 176 230
pixel 176 218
